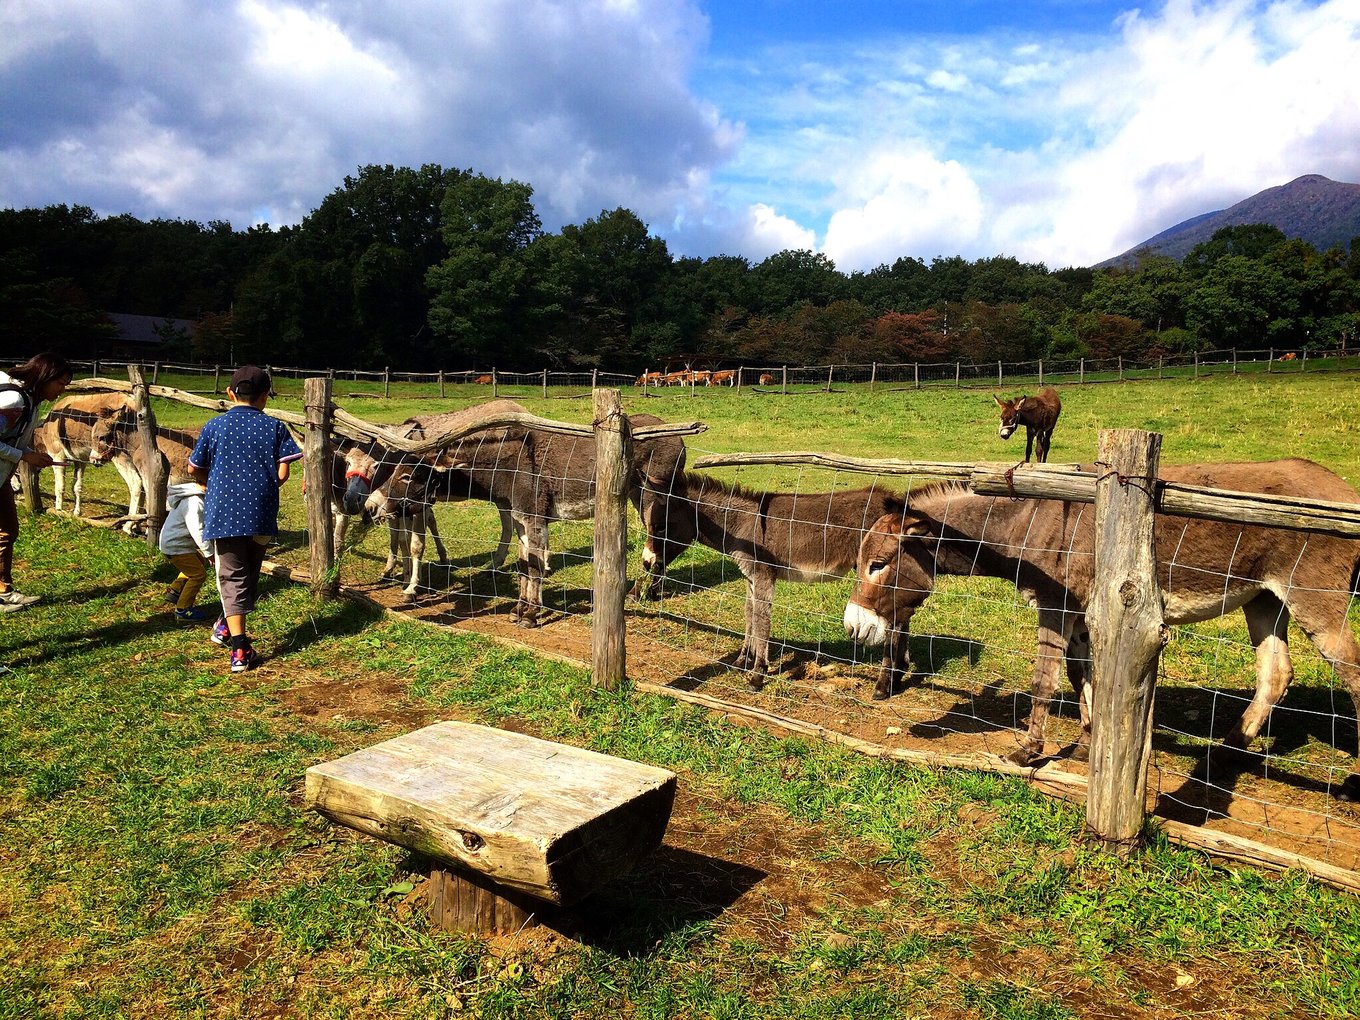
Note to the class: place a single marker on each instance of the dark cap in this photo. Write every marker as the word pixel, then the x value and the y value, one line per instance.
pixel 250 381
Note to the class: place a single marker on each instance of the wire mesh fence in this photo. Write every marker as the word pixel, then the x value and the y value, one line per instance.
pixel 754 555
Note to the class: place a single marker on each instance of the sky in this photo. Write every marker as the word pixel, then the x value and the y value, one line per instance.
pixel 1053 131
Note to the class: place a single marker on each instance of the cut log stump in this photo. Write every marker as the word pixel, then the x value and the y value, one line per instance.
pixel 514 824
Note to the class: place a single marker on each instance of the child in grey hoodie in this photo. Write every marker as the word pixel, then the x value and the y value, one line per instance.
pixel 183 544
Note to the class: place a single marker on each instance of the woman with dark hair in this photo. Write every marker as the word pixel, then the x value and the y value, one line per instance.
pixel 42 377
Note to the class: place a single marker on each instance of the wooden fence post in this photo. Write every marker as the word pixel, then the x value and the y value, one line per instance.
pixel 316 481
pixel 873 375
pixel 1081 371
pixel 958 372
pixel 740 372
pixel 916 375
pixel 155 372
pixel 545 384
pixel 1197 364
pixel 1121 368
pixel 441 384
pixel 1270 362
pixel 1159 366
pixel 94 368
pixel 495 384
pixel 613 469
pixel 217 379
pixel 28 480
pixel 998 375
pixel 784 387
pixel 1041 371
pixel 1234 371
pixel 387 380
pixel 154 468
pixel 1127 634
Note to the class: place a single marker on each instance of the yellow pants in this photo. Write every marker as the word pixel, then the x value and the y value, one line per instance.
pixel 193 571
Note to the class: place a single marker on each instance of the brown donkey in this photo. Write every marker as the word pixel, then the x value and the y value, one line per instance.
pixel 806 536
pixel 1045 547
pixel 1038 414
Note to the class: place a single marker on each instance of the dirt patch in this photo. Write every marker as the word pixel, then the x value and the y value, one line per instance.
pixel 1235 795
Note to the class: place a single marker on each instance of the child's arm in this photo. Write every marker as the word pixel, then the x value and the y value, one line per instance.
pixel 283 472
pixel 193 523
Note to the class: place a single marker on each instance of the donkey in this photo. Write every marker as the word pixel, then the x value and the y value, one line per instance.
pixel 1038 414
pixel 1046 547
pixel 66 433
pixel 806 536
pixel 112 438
pixel 536 477
pixel 369 467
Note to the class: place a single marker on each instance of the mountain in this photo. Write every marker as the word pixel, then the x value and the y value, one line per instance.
pixel 1322 212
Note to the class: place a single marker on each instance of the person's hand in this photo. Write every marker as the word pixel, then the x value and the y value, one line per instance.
pixel 37 458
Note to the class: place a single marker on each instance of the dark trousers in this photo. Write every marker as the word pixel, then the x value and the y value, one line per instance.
pixel 9 534
pixel 238 572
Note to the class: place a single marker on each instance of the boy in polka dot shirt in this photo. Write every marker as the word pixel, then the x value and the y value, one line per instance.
pixel 242 457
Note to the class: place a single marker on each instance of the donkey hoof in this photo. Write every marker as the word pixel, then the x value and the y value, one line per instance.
pixel 1022 756
pixel 1349 791
pixel 882 693
pixel 756 683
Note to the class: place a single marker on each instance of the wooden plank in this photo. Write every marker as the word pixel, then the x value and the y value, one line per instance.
pixel 543 818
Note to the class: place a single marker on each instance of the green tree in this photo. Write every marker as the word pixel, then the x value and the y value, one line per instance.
pixel 480 288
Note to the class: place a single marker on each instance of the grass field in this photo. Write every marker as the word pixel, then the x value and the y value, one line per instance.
pixel 154 860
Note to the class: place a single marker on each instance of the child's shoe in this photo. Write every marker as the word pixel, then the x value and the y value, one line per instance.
pixel 11 600
pixel 243 659
pixel 191 615
pixel 220 635
pixel 171 596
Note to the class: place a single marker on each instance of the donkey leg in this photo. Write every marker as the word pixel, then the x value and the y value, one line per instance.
pixel 531 578
pixel 1268 625
pixel 893 672
pixel 1049 655
pixel 503 543
pixel 762 591
pixel 340 523
pixel 1322 616
pixel 415 550
pixel 1029 444
pixel 1078 658
pixel 433 528
pixel 58 486
pixel 1042 444
pixel 78 487
pixel 746 657
pixel 394 547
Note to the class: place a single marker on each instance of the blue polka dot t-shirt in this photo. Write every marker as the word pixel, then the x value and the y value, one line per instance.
pixel 241 450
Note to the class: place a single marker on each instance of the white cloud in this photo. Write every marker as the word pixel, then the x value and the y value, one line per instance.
pixel 901 203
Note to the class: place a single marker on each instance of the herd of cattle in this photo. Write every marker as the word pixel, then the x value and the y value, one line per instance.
pixel 896 544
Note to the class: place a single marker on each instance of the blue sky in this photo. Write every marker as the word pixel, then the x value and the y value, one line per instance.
pixel 1061 131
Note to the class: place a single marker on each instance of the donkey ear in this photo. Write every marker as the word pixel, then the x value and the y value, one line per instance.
pixel 999 401
pixel 916 529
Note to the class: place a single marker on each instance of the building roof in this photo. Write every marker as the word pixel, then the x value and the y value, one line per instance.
pixel 141 329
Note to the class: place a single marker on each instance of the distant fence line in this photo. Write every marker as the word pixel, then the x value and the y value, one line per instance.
pixel 805 378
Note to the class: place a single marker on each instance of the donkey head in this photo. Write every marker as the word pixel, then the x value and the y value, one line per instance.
pixel 894 574
pixel 1011 415
pixel 669 527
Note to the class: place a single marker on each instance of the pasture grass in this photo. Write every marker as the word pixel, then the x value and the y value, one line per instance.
pixel 154 860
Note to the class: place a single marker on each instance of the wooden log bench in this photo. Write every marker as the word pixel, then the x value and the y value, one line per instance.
pixel 513 824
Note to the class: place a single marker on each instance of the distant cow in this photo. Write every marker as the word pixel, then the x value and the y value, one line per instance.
pixel 1288 357
pixel 649 379
pixel 483 380
pixel 1038 414
pixel 727 377
pixel 767 378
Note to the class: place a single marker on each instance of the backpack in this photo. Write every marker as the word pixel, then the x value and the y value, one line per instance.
pixel 29 408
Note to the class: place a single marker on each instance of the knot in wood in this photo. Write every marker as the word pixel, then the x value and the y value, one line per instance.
pixel 472 841
pixel 1129 591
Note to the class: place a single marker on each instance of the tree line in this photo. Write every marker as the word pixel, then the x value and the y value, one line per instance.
pixel 428 269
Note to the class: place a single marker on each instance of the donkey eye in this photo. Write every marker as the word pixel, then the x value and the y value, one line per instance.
pixel 876 565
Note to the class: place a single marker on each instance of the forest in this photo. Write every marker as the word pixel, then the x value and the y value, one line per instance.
pixel 428 269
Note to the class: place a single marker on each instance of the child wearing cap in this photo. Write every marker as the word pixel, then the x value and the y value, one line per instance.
pixel 243 457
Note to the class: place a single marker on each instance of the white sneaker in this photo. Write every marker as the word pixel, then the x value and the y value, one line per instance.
pixel 12 600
